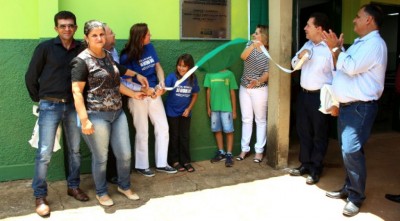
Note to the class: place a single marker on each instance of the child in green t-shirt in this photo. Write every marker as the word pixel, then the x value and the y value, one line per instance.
pixel 221 107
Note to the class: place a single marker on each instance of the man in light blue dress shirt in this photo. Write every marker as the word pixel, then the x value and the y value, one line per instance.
pixel 311 124
pixel 357 84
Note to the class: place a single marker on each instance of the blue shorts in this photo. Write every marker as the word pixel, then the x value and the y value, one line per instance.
pixel 221 120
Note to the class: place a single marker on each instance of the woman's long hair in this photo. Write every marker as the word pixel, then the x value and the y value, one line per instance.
pixel 134 47
pixel 188 60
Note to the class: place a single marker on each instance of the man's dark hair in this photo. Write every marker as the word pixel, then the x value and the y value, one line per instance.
pixel 64 15
pixel 376 12
pixel 320 20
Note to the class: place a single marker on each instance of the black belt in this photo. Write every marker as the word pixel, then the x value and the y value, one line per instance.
pixel 356 102
pixel 310 92
pixel 56 100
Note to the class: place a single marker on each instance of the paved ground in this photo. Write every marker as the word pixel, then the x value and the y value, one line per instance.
pixel 247 191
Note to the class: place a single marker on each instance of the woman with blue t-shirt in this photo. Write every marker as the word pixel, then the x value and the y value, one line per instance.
pixel 180 102
pixel 140 56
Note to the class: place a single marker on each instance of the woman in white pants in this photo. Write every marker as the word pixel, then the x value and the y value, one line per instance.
pixel 140 56
pixel 253 94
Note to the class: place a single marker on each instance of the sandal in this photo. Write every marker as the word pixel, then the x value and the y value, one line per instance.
pixel 242 155
pixel 178 167
pixel 189 167
pixel 258 158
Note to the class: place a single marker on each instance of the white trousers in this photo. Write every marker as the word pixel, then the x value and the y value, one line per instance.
pixel 141 111
pixel 253 105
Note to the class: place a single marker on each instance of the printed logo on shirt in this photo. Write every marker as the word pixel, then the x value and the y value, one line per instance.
pixel 226 81
pixel 183 91
pixel 146 63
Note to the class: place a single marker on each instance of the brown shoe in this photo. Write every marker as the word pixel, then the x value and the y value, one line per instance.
pixel 78 194
pixel 42 207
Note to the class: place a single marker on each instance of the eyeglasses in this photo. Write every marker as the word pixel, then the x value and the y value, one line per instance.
pixel 70 26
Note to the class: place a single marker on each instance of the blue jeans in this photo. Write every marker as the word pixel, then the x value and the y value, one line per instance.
pixel 109 127
pixel 222 121
pixel 50 115
pixel 355 123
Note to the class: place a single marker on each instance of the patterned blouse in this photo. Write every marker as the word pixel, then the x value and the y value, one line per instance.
pixel 254 67
pixel 102 77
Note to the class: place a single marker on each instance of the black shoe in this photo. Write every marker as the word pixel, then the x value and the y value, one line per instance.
pixel 312 179
pixel 394 198
pixel 351 209
pixel 300 171
pixel 228 160
pixel 340 194
pixel 218 157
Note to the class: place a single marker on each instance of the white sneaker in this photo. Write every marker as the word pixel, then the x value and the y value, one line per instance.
pixel 129 194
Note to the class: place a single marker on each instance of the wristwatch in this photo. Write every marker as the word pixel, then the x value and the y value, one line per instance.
pixel 335 49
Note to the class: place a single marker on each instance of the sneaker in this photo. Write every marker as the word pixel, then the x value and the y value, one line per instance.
pixel 228 161
pixel 146 172
pixel 166 169
pixel 218 157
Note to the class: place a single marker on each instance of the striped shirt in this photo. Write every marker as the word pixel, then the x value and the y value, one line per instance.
pixel 255 66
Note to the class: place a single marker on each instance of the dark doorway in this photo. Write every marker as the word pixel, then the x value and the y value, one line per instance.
pixel 302 9
pixel 388 115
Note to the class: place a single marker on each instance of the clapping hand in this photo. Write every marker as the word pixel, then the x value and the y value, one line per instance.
pixel 332 40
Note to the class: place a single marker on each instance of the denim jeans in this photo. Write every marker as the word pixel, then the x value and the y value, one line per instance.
pixel 355 123
pixel 222 121
pixel 109 127
pixel 50 115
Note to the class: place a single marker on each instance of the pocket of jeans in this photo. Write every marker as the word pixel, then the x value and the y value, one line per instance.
pixel 360 110
pixel 46 105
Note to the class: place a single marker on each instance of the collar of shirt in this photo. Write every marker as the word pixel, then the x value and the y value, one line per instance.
pixel 322 43
pixel 370 35
pixel 74 43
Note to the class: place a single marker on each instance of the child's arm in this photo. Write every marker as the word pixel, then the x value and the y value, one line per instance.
pixel 190 107
pixel 233 101
pixel 208 101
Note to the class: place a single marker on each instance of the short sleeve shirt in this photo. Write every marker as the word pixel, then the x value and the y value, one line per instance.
pixel 179 98
pixel 102 77
pixel 221 83
pixel 146 65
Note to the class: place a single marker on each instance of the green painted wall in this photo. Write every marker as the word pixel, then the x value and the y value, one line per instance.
pixel 26 23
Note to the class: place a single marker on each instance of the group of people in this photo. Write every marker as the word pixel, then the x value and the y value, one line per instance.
pixel 253 97
pixel 81 85
pixel 356 77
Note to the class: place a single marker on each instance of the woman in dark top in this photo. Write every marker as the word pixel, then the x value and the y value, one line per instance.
pixel 97 92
